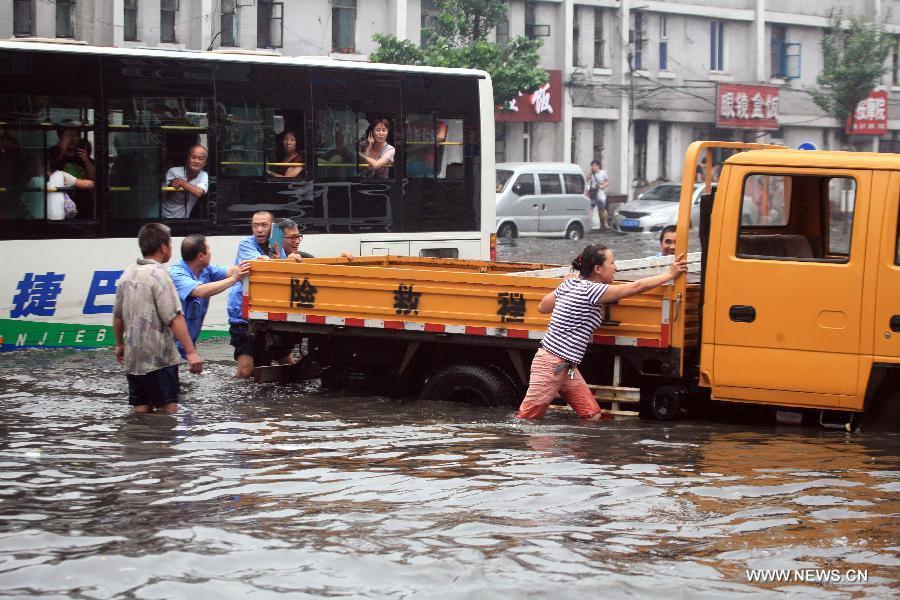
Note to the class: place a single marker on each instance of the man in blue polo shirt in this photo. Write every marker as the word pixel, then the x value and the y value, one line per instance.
pixel 252 349
pixel 196 280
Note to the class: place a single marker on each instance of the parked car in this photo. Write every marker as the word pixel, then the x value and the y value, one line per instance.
pixel 542 199
pixel 656 208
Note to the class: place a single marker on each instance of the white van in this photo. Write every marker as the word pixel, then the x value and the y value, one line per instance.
pixel 542 199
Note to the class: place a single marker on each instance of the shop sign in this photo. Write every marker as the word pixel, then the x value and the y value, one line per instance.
pixel 544 104
pixel 870 116
pixel 746 106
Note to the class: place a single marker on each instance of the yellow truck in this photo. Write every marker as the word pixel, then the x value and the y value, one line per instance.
pixel 796 302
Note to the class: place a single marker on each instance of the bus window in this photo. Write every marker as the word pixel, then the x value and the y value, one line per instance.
pixel 450 150
pixel 342 137
pixel 158 117
pixel 47 161
pixel 242 151
pixel 285 150
pixel 425 138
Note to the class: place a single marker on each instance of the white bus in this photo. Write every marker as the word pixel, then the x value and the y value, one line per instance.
pixel 137 113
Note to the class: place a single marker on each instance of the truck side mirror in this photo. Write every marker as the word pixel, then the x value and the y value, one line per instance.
pixel 517 189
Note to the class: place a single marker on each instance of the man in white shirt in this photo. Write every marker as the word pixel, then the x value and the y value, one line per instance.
pixel 190 182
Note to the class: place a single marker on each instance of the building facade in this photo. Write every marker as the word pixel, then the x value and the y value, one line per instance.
pixel 640 79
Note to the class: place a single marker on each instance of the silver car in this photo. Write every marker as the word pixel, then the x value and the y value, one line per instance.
pixel 656 208
pixel 542 199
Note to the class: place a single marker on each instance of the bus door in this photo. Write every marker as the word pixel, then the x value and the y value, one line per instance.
pixel 788 306
pixel 887 303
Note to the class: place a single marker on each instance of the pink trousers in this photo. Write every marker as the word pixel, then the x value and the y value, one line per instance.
pixel 546 384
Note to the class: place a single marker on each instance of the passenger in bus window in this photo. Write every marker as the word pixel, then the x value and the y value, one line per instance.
pixel 190 182
pixel 377 153
pixel 290 154
pixel 58 206
pixel 72 154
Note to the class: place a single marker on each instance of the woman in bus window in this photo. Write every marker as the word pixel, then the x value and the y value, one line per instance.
pixel 377 153
pixel 290 154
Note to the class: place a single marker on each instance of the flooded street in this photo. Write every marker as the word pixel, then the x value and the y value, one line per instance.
pixel 295 491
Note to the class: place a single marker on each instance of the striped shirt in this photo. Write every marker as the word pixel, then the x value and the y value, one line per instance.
pixel 576 315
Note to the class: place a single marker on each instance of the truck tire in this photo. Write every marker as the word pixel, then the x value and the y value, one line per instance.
pixel 474 384
pixel 665 402
pixel 884 415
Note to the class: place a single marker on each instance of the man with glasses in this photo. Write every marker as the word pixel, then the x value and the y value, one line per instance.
pixel 292 239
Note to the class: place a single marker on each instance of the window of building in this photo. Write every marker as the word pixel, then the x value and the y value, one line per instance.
pixel 576 38
pixel 167 10
pixel 430 12
pixel 779 36
pixel 717 46
pixel 532 28
pixel 130 9
pixel 343 26
pixel 597 148
pixel 503 32
pixel 663 42
pixel 269 24
pixel 640 151
pixel 663 150
pixel 23 17
pixel 500 142
pixel 229 24
pixel 526 141
pixel 637 33
pixel 895 62
pixel 599 49
pixel 65 18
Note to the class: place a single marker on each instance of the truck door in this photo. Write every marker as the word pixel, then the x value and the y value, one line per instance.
pixel 789 290
pixel 887 303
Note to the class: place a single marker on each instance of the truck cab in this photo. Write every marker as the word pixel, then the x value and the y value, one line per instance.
pixel 801 285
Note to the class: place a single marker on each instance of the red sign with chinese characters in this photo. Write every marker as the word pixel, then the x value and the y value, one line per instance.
pixel 544 104
pixel 746 106
pixel 870 116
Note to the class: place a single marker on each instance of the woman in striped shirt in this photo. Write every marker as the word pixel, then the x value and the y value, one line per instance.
pixel 576 313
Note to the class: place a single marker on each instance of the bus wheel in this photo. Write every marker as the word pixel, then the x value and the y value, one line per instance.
pixel 470 383
pixel 507 230
pixel 665 404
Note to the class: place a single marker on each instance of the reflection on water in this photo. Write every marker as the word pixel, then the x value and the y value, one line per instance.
pixel 266 491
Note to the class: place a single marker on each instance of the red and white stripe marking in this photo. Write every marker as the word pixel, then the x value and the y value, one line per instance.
pixel 524 334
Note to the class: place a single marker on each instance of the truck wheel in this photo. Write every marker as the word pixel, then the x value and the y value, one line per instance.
pixel 665 404
pixel 507 230
pixel 574 232
pixel 884 415
pixel 474 384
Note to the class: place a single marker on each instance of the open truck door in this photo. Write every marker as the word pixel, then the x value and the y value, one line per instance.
pixel 784 304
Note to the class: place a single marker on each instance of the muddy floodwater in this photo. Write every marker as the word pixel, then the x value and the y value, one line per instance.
pixel 293 491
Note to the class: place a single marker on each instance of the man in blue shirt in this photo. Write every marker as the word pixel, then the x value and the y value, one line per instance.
pixel 196 280
pixel 250 349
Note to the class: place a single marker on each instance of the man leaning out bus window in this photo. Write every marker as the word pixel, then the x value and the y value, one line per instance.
pixel 190 183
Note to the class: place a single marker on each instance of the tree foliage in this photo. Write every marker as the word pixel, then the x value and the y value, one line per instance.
pixel 854 61
pixel 460 40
